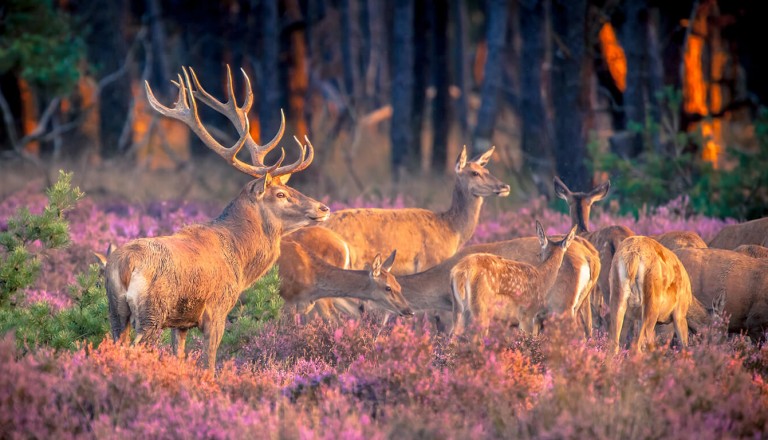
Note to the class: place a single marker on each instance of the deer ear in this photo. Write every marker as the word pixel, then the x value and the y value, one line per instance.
pixel 376 266
pixel 461 161
pixel 600 192
pixel 389 262
pixel 540 233
pixel 485 157
pixel 561 190
pixel 261 186
pixel 569 238
pixel 102 258
pixel 282 179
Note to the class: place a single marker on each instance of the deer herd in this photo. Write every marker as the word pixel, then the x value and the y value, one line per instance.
pixel 330 264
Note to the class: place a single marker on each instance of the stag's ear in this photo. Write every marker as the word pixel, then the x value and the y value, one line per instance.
pixel 561 190
pixel 461 161
pixel 375 268
pixel 282 179
pixel 600 192
pixel 389 262
pixel 569 238
pixel 101 257
pixel 483 159
pixel 540 233
pixel 260 186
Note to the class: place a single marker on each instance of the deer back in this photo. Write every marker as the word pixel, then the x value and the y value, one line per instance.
pixel 673 240
pixel 751 232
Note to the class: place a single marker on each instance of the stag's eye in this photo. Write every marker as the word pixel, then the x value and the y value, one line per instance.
pixel 388 289
pixel 280 195
pixel 475 174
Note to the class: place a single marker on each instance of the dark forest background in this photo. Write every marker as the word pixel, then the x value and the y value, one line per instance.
pixel 663 97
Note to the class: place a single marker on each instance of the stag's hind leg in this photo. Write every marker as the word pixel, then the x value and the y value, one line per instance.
pixel 179 341
pixel 681 324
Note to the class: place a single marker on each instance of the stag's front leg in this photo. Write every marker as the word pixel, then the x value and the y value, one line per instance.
pixel 213 330
pixel 179 341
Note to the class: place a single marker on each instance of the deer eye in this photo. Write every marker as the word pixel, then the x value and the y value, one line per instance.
pixel 388 289
pixel 475 174
pixel 280 195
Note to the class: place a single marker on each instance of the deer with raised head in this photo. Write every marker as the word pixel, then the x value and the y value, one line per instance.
pixel 194 277
pixel 423 238
pixel 487 287
pixel 311 279
pixel 752 250
pixel 648 285
pixel 751 232
pixel 741 279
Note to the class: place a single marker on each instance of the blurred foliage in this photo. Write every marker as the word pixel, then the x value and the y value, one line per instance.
pixel 40 44
pixel 19 266
pixel 39 325
pixel 660 175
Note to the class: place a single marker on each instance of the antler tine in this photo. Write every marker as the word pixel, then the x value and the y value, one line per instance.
pixel 306 157
pixel 235 114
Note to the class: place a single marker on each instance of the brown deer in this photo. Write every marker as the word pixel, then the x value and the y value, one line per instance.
pixel 674 240
pixel 743 281
pixel 311 278
pixel 422 238
pixel 648 284
pixel 752 250
pixel 751 232
pixel 194 277
pixel 487 287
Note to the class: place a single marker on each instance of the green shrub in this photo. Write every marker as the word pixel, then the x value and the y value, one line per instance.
pixel 86 321
pixel 19 267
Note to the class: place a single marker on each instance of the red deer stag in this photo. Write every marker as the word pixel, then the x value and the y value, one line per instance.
pixel 751 232
pixel 487 287
pixel 194 277
pixel 650 283
pixel 422 238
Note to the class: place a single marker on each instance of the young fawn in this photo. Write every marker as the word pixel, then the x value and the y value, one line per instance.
pixel 486 286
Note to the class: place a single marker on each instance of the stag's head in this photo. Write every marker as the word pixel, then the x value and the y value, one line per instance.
pixel 580 203
pixel 267 193
pixel 476 179
pixel 384 288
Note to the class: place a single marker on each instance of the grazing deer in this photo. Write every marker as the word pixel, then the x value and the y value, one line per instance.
pixel 422 238
pixel 751 232
pixel 311 278
pixel 648 282
pixel 743 281
pixel 486 286
pixel 194 277
pixel 752 250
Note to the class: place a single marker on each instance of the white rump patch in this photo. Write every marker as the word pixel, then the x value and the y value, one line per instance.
pixel 581 285
pixel 136 287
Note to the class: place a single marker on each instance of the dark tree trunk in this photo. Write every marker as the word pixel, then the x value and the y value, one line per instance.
pixel 269 98
pixel 496 32
pixel 375 71
pixel 441 119
pixel 570 83
pixel 421 65
pixel 107 49
pixel 536 138
pixel 364 57
pixel 635 41
pixel 347 57
pixel 655 75
pixel 401 135
pixel 461 65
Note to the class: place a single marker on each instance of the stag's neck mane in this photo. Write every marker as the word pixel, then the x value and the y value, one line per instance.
pixel 251 235
pixel 464 213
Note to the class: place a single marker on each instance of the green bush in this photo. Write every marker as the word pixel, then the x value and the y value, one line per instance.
pixel 86 321
pixel 19 267
pixel 660 175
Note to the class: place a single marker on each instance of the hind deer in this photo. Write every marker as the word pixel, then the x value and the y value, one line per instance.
pixel 311 278
pixel 194 277
pixel 422 238
pixel 751 232
pixel 486 286
pixel 648 282
pixel 608 239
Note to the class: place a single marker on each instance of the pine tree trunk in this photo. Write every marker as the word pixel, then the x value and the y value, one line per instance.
pixel 401 135
pixel 269 98
pixel 461 66
pixel 635 42
pixel 570 83
pixel 441 118
pixel 496 32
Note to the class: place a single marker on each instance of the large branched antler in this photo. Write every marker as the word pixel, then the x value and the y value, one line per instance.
pixel 185 110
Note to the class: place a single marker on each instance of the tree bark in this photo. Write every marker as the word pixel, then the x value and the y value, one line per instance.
pixel 421 65
pixel 401 134
pixel 536 142
pixel 461 66
pixel 269 98
pixel 441 118
pixel 570 82
pixel 496 31
pixel 635 41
